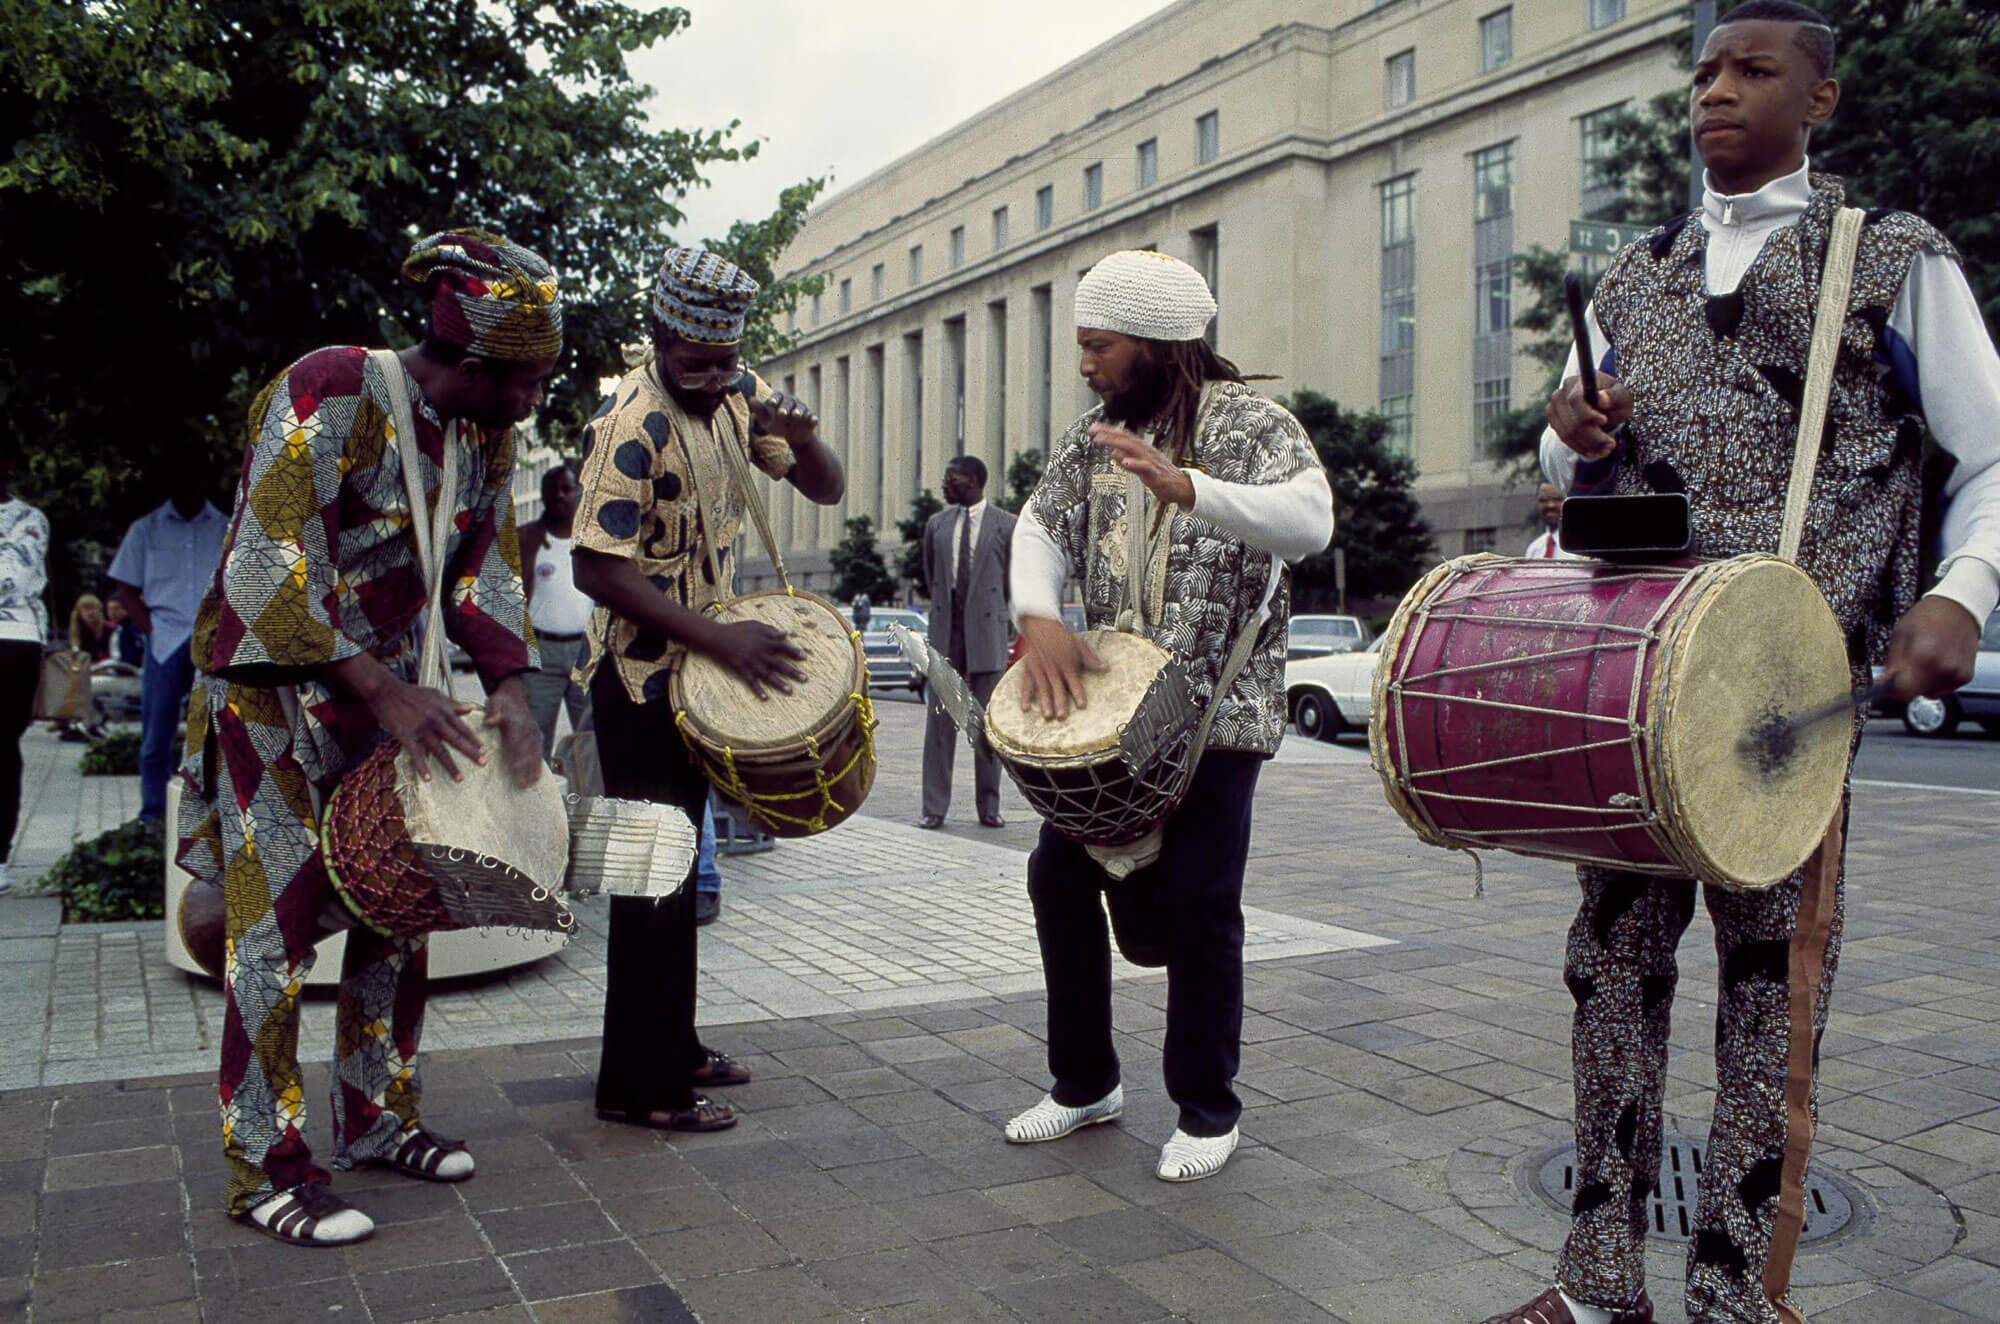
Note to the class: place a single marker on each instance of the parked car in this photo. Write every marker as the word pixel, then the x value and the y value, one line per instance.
pixel 1979 700
pixel 886 663
pixel 1330 694
pixel 1317 636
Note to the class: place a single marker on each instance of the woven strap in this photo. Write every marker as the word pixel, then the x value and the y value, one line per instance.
pixel 1836 282
pixel 739 469
pixel 431 536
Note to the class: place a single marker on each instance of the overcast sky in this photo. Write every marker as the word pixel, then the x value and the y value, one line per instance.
pixel 847 86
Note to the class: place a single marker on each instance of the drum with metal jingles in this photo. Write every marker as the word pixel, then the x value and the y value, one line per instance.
pixel 1610 714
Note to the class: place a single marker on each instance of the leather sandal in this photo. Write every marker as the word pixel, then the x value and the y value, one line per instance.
pixel 720 1069
pixel 705 1115
pixel 308 1215
pixel 422 1154
pixel 1548 1308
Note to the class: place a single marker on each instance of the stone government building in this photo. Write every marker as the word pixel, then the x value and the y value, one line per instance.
pixel 1352 181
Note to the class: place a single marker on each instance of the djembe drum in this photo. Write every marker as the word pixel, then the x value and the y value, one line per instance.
pixel 798 763
pixel 1608 714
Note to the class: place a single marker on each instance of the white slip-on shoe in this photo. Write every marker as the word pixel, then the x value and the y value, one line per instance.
pixel 1190 1158
pixel 1049 1120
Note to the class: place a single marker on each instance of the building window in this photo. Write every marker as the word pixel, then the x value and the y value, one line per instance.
pixel 1399 80
pixel 957 245
pixel 1207 259
pixel 1396 418
pixel 1045 206
pixel 1491 401
pixel 816 308
pixel 1603 13
pixel 847 295
pixel 1496 41
pixel 1493 287
pixel 1207 138
pixel 1396 371
pixel 1481 540
pixel 1600 175
pixel 1093 186
pixel 999 228
pixel 1149 163
pixel 875 282
pixel 1493 183
pixel 916 265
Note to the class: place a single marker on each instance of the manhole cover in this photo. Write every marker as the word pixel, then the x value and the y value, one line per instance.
pixel 1829 1206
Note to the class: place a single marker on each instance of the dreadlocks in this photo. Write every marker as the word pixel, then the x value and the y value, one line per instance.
pixel 1185 366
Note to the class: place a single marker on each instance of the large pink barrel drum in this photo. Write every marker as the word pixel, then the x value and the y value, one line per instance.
pixel 1616 715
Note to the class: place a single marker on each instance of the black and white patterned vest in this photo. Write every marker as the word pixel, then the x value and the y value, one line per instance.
pixel 1716 385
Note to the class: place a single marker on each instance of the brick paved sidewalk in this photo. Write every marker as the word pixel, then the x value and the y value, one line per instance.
pixel 1400 1098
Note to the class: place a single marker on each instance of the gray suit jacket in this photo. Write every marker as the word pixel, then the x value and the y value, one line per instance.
pixel 988 626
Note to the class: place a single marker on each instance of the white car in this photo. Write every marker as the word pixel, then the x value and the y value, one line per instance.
pixel 1331 694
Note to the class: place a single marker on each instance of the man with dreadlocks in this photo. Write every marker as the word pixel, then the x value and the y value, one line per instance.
pixel 306 644
pixel 1231 488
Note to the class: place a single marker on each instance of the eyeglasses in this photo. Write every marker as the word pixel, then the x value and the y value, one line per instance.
pixel 712 379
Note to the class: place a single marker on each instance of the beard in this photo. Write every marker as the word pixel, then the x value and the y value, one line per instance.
pixel 698 404
pixel 1139 402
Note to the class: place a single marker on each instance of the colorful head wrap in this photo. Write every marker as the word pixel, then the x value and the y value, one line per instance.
pixel 489 297
pixel 702 297
pixel 1145 294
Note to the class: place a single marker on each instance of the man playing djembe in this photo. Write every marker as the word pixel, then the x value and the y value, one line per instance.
pixel 653 545
pixel 306 644
pixel 1707 322
pixel 1231 493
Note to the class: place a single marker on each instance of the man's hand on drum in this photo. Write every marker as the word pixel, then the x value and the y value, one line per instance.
pixel 520 739
pixel 427 723
pixel 1585 430
pixel 1135 455
pixel 760 654
pixel 1055 661
pixel 786 417
pixel 1932 652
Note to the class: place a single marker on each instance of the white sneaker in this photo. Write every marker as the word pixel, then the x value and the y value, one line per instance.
pixel 1049 1120
pixel 1190 1158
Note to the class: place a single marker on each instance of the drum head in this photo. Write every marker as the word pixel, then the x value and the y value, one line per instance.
pixel 1110 698
pixel 725 710
pixel 1760 646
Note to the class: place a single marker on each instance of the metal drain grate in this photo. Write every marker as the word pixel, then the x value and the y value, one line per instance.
pixel 1829 1206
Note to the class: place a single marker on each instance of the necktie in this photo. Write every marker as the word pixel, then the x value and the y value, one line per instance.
pixel 1548 546
pixel 961 579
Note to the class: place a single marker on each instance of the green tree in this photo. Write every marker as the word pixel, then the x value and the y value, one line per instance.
pixel 1379 529
pixel 857 560
pixel 199 191
pixel 910 562
pixel 1023 472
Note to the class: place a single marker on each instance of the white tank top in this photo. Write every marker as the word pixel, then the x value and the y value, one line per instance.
pixel 558 606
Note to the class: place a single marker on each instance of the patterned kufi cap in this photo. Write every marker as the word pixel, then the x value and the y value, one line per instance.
pixel 489 297
pixel 702 297
pixel 1145 294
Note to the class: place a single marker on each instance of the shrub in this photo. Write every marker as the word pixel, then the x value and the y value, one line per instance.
pixel 113 755
pixel 119 875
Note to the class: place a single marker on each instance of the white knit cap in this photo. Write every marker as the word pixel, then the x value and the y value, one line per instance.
pixel 1146 294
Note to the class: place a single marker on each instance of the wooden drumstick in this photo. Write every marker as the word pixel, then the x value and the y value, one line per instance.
pixel 1586 361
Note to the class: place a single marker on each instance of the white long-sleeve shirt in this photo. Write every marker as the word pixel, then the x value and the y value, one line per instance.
pixel 1938 345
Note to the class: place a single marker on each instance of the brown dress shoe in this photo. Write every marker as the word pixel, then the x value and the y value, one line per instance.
pixel 1548 1308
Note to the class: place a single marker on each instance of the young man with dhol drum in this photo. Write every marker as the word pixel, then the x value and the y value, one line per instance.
pixel 306 648
pixel 654 534
pixel 1228 490
pixel 1706 324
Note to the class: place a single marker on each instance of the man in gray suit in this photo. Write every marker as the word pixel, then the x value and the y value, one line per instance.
pixel 967 556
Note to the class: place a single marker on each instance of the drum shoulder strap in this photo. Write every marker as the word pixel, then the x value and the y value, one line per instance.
pixel 1836 283
pixel 431 535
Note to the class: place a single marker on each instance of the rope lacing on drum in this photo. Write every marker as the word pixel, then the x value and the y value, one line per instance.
pixel 763 806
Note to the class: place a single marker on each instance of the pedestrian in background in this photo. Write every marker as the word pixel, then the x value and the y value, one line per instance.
pixel 127 644
pixel 161 570
pixel 559 610
pixel 24 624
pixel 968 550
pixel 88 632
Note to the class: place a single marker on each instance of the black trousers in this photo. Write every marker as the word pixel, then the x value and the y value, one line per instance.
pixel 650 1047
pixel 1186 909
pixel 20 673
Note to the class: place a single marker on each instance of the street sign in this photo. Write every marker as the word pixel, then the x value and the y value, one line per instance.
pixel 1603 237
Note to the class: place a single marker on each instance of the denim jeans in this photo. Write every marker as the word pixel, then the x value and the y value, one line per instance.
pixel 162 703
pixel 707 880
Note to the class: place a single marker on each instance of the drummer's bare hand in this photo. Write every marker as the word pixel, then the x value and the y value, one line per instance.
pixel 760 654
pixel 520 739
pixel 1135 455
pixel 1055 661
pixel 1933 649
pixel 1585 430
pixel 427 723
pixel 785 416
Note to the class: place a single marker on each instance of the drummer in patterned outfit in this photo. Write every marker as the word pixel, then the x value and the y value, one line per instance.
pixel 1243 493
pixel 306 645
pixel 658 500
pixel 1706 325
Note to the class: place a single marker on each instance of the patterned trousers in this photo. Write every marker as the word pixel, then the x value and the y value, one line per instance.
pixel 259 827
pixel 1776 950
